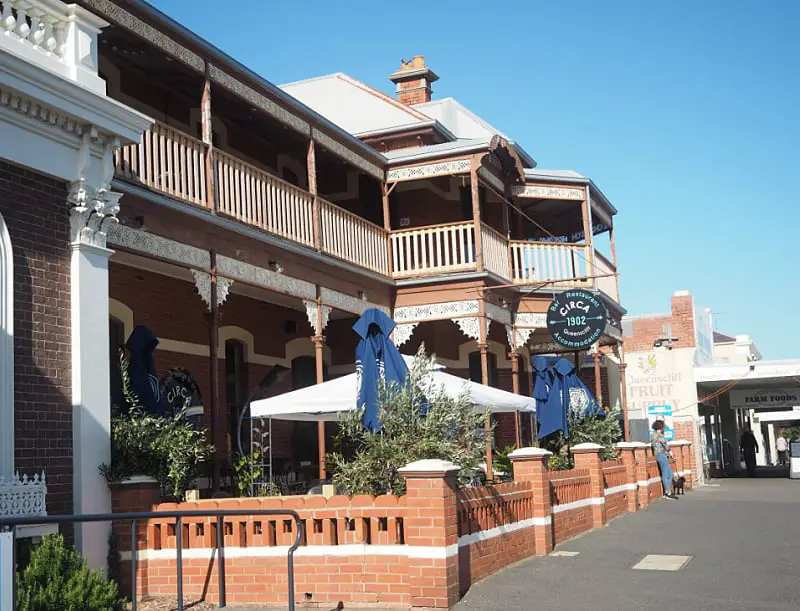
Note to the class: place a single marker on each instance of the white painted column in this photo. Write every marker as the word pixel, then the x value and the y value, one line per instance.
pixel 773 450
pixel 6 354
pixel 92 211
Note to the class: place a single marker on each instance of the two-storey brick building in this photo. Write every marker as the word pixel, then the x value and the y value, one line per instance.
pixel 248 226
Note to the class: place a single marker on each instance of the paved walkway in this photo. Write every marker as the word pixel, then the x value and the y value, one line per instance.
pixel 743 536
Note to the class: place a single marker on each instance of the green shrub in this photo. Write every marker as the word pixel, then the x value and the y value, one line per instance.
pixel 167 448
pixel 57 579
pixel 451 430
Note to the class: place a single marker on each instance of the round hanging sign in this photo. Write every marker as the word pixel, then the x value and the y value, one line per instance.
pixel 576 319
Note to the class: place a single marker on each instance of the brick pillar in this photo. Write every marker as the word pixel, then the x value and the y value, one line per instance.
pixel 642 485
pixel 431 522
pixel 530 465
pixel 628 458
pixel 587 456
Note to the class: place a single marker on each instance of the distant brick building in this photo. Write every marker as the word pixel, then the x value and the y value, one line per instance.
pixel 661 352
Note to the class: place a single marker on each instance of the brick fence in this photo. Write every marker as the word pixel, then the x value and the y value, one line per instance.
pixel 423 549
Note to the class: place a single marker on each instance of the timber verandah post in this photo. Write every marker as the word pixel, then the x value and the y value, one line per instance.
pixel 213 342
pixel 311 166
pixel 598 385
pixel 483 347
pixel 208 139
pixel 476 212
pixel 319 344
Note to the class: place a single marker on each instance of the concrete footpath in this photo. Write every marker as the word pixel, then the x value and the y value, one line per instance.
pixel 742 537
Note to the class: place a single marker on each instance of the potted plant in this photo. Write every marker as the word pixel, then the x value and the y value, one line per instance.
pixel 151 450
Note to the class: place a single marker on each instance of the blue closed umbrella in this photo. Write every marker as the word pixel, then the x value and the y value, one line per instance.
pixel 377 358
pixel 580 399
pixel 568 394
pixel 541 386
pixel 142 369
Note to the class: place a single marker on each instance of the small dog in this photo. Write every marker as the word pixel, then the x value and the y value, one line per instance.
pixel 677 485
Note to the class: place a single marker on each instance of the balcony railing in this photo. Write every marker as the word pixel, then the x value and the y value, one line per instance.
pixel 433 250
pixel 173 163
pixel 258 198
pixel 564 265
pixel 606 281
pixel 349 237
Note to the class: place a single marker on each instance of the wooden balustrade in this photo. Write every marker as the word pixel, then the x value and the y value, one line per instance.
pixel 168 161
pixel 488 507
pixel 352 238
pixel 174 163
pixel 607 283
pixel 495 251
pixel 573 485
pixel 258 198
pixel 433 250
pixel 555 262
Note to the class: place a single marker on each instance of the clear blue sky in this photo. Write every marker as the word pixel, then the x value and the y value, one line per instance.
pixel 684 113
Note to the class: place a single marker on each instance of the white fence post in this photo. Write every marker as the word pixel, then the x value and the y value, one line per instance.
pixel 6 570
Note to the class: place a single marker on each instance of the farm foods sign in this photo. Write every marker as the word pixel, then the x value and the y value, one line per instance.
pixel 766 398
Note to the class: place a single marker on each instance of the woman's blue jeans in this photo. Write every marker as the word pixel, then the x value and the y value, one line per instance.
pixel 666 472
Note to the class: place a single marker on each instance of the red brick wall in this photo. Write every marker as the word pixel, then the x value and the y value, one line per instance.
pixel 35 209
pixel 647 329
pixel 483 558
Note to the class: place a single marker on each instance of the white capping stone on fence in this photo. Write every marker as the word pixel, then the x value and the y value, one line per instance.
pixel 678 442
pixel 528 452
pixel 429 465
pixel 587 446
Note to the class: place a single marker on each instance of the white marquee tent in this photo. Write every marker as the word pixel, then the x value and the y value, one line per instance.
pixel 324 402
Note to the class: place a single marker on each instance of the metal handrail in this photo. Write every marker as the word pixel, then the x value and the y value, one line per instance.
pixel 13 522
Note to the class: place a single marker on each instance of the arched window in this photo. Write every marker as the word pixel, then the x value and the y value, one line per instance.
pixel 6 352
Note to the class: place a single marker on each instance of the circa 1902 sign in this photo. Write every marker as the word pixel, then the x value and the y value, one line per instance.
pixel 576 319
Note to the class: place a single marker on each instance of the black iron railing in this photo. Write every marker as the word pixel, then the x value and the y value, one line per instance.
pixel 12 523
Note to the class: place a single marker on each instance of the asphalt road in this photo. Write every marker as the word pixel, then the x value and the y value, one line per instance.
pixel 743 536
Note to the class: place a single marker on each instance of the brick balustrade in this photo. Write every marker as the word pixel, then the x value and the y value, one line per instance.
pixel 423 549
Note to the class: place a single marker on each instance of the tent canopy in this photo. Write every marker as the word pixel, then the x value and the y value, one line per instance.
pixel 324 402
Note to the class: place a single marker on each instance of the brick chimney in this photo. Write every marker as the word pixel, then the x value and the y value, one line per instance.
pixel 413 81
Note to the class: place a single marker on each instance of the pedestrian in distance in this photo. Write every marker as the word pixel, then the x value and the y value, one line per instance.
pixel 661 450
pixel 749 447
pixel 783 449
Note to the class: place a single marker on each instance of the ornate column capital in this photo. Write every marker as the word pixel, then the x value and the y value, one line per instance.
pixel 92 209
pixel 318 341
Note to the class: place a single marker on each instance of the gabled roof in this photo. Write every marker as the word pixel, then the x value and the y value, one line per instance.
pixel 352 105
pixel 722 338
pixel 465 124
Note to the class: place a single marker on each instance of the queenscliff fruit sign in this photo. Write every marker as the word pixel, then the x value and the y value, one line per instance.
pixel 576 319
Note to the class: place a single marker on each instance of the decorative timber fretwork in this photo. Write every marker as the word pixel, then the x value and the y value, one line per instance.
pixel 436 311
pixel 311 313
pixel 118 15
pixel 149 244
pixel 471 327
pixel 348 303
pixel 545 192
pixel 443 168
pixel 202 281
pixel 252 274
